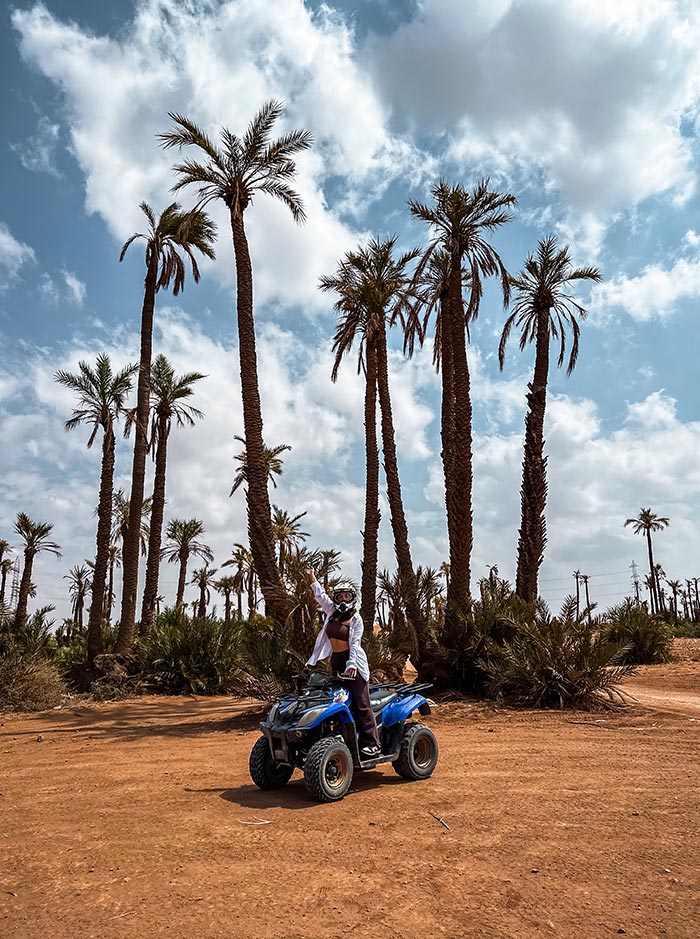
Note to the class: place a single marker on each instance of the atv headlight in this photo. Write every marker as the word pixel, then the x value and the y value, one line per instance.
pixel 308 717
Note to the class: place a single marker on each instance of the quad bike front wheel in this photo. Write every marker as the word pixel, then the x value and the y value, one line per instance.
pixel 419 752
pixel 328 770
pixel 264 771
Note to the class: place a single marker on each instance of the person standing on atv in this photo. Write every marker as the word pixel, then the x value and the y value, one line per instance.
pixel 341 639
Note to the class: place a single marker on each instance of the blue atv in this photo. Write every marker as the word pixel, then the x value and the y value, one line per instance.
pixel 315 731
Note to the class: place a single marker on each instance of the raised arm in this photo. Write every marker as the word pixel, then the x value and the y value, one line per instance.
pixel 321 597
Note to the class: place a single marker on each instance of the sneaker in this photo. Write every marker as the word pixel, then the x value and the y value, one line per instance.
pixel 369 752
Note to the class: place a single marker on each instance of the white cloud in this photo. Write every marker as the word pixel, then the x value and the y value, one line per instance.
pixel 592 95
pixel 37 153
pixel 14 254
pixel 75 287
pixel 218 63
pixel 655 293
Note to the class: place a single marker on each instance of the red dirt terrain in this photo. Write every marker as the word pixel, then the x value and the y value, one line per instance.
pixel 133 820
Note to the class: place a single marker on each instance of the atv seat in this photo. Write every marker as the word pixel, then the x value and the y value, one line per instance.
pixel 380 698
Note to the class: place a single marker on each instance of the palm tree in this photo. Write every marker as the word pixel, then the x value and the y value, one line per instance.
pixel 79 583
pixel 102 397
pixel 373 286
pixel 329 562
pixel 184 534
pixel 35 536
pixel 6 565
pixel 676 588
pixel 5 546
pixel 203 577
pixel 170 239
pixel 287 533
pixel 234 172
pixel 244 577
pixel 544 309
pixel 272 461
pixel 121 513
pixel 226 586
pixel 170 394
pixel 459 220
pixel 644 524
pixel 115 560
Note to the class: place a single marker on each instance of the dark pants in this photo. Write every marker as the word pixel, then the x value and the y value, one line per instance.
pixel 361 707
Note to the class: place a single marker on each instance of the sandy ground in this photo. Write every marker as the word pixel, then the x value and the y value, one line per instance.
pixel 130 820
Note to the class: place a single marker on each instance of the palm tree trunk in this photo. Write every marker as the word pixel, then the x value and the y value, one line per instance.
pixel 79 613
pixel 227 606
pixel 130 559
pixel 24 587
pixel 459 494
pixel 110 592
pixel 258 499
pixel 239 602
pixel 202 606
pixel 95 637
pixel 653 587
pixel 370 543
pixel 150 591
pixel 2 585
pixel 447 425
pixel 181 580
pixel 533 491
pixel 409 586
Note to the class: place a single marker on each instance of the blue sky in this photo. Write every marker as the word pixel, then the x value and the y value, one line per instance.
pixel 586 111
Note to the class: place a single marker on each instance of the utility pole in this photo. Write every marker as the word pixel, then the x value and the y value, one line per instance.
pixel 635 579
pixel 577 575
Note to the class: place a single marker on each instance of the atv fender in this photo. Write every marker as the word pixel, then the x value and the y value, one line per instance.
pixel 335 709
pixel 402 708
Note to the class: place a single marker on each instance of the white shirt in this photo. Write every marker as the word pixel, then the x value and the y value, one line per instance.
pixel 357 658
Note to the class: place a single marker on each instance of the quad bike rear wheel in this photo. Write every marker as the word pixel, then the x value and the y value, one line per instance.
pixel 419 752
pixel 264 771
pixel 328 770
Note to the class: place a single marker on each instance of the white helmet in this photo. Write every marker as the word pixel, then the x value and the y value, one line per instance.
pixel 345 598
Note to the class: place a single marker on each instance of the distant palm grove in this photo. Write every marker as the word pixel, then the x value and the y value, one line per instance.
pixel 501 640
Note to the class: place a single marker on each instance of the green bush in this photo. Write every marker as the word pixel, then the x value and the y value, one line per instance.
pixel 645 639
pixel 28 682
pixel 193 656
pixel 268 664
pixel 557 662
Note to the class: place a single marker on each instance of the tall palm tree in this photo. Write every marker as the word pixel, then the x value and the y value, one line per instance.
pixel 544 309
pixel 203 577
pixel 273 463
pixel 234 172
pixel 183 533
pixel 287 534
pixel 170 239
pixel 460 219
pixel 373 287
pixel 226 586
pixel 79 583
pixel 5 546
pixel 36 540
pixel 102 396
pixel 170 395
pixel 644 524
pixel 244 577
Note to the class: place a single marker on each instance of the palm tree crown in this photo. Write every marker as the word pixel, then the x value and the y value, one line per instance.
pixel 169 234
pixel 459 218
pixel 647 521
pixel 35 536
pixel 272 460
pixel 101 392
pixel 240 166
pixel 542 290
pixel 184 534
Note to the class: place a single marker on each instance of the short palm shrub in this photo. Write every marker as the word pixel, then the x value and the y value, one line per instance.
pixel 268 662
pixel 193 656
pixel 646 639
pixel 556 662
